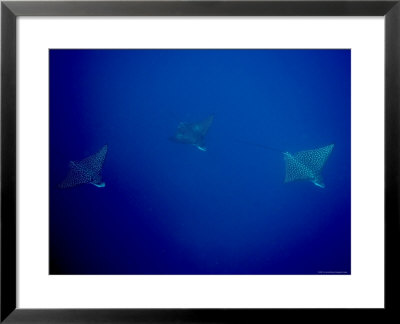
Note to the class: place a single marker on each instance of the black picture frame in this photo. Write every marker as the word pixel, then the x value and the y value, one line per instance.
pixel 10 10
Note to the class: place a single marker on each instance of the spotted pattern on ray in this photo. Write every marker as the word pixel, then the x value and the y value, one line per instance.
pixel 87 170
pixel 307 165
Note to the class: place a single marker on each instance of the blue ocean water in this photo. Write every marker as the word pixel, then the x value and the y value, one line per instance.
pixel 170 208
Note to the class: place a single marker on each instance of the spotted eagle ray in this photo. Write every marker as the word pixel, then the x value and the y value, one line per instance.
pixel 193 133
pixel 304 165
pixel 87 170
pixel 307 165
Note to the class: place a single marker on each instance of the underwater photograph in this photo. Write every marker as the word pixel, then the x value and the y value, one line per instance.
pixel 200 162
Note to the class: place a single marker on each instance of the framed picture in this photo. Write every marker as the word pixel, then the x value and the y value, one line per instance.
pixel 195 161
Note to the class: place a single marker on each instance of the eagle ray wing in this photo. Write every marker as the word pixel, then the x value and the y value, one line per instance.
pixel 314 159
pixel 94 162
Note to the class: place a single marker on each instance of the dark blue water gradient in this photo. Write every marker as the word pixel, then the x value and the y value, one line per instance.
pixel 170 208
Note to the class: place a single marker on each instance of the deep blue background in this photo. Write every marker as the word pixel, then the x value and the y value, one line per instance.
pixel 170 208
